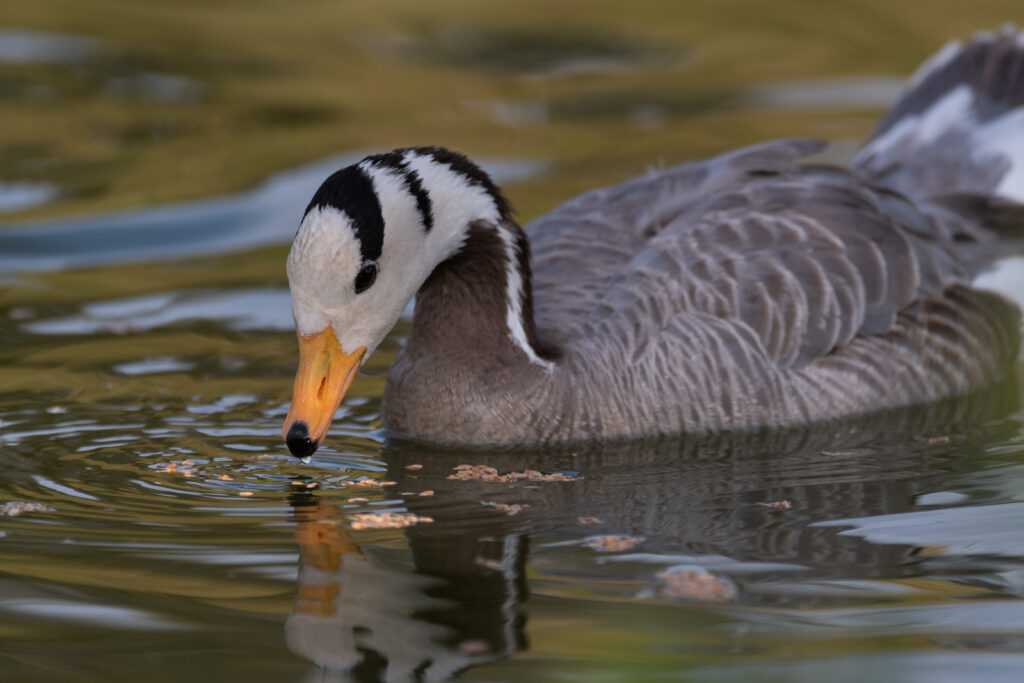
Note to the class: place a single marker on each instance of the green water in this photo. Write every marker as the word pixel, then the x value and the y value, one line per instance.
pixel 154 159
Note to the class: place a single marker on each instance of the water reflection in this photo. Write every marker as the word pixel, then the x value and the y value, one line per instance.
pixel 361 613
pixel 367 609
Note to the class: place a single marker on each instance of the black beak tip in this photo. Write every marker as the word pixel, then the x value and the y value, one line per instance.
pixel 298 440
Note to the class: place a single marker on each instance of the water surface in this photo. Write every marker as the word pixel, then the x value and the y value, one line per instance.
pixel 152 525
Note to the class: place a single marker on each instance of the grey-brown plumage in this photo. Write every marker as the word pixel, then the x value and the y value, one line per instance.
pixel 748 290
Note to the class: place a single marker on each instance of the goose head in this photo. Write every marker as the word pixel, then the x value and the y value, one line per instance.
pixel 370 237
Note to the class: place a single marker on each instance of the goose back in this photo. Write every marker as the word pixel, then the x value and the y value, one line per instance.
pixel 757 288
pixel 748 291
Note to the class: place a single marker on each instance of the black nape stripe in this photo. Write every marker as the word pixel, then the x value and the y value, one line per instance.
pixel 395 160
pixel 351 191
pixel 474 174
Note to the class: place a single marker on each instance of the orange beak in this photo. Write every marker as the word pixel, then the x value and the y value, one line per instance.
pixel 324 375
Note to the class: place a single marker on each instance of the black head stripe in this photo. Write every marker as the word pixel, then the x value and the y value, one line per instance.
pixel 412 180
pixel 458 163
pixel 395 161
pixel 351 191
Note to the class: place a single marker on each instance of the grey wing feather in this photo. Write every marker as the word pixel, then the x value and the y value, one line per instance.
pixel 805 258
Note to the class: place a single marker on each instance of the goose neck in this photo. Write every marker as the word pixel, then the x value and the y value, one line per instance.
pixel 480 299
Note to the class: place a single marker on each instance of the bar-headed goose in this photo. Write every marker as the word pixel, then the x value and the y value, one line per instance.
pixel 744 291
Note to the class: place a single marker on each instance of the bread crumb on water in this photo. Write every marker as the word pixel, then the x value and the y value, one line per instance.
pixel 588 520
pixel 245 493
pixel 386 520
pixel 487 562
pixel 414 467
pixel 612 544
pixel 777 505
pixel 474 647
pixel 509 509
pixel 694 584
pixel 489 474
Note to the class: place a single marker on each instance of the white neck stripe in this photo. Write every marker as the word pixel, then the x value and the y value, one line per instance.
pixel 514 293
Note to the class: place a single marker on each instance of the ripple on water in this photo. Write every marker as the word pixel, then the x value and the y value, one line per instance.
pixel 18 45
pixel 97 616
pixel 18 195
pixel 264 308
pixel 962 530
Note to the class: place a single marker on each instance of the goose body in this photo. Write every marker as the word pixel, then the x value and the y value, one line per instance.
pixel 749 290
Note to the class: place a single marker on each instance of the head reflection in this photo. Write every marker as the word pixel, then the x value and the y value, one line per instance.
pixel 362 613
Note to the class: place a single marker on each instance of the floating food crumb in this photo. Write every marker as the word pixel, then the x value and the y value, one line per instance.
pixel 245 493
pixel 428 492
pixel 386 520
pixel 365 482
pixel 298 483
pixel 312 485
pixel 588 520
pixel 359 500
pixel 187 463
pixel 225 477
pixel 489 474
pixel 488 563
pixel 939 439
pixel 508 508
pixel 187 473
pixel 14 509
pixel 171 466
pixel 777 505
pixel 414 467
pixel 612 544
pixel 407 493
pixel 474 647
pixel 694 584
pixel 388 483
pixel 57 410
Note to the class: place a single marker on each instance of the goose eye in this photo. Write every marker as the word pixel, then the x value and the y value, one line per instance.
pixel 365 277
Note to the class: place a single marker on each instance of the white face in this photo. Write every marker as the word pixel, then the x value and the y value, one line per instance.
pixel 325 256
pixel 322 268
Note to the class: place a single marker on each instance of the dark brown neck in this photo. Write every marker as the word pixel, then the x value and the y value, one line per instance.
pixel 463 307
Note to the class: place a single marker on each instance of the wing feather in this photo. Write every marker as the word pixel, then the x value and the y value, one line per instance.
pixel 806 258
